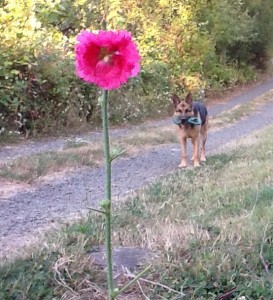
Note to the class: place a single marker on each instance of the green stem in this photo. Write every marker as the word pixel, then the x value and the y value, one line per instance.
pixel 107 203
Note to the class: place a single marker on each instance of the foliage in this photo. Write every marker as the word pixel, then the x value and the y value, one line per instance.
pixel 185 45
pixel 69 16
pixel 261 48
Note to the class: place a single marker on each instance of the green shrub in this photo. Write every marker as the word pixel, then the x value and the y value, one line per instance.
pixel 209 45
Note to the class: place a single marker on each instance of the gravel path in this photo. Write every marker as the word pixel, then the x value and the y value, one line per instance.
pixel 45 204
pixel 30 147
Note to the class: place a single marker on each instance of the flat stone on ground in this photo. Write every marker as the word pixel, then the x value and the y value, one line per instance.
pixel 123 257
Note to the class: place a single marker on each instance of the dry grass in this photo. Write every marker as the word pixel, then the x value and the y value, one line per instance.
pixel 239 111
pixel 211 228
pixel 214 217
pixel 30 168
pixel 83 154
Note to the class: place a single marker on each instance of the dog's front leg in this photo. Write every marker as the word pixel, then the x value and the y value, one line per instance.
pixel 195 142
pixel 183 153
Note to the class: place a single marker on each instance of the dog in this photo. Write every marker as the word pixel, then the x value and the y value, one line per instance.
pixel 191 119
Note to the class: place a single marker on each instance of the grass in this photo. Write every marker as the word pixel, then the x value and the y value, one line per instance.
pixel 30 168
pixel 81 154
pixel 240 111
pixel 74 143
pixel 211 228
pixel 78 153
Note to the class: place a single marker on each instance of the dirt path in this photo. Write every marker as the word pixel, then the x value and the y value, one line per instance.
pixel 25 212
pixel 29 147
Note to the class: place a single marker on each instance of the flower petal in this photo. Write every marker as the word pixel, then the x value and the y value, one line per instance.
pixel 121 60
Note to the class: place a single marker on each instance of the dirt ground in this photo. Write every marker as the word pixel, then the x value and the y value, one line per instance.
pixel 24 210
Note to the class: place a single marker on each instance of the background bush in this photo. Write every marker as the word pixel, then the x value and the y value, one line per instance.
pixel 185 45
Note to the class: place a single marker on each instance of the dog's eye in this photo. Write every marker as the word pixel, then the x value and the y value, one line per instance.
pixel 188 110
pixel 179 111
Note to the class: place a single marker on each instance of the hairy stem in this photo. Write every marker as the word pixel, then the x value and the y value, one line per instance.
pixel 107 202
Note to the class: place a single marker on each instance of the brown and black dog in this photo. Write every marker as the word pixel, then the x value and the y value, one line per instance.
pixel 191 119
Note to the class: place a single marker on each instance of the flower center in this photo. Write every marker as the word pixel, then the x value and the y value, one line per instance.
pixel 105 55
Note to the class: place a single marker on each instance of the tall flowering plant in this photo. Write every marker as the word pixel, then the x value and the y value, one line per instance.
pixel 107 59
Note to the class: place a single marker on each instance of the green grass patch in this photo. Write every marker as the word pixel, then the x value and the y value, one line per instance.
pixel 212 228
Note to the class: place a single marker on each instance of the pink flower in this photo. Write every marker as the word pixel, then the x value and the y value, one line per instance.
pixel 107 58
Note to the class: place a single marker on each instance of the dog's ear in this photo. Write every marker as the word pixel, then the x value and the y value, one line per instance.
pixel 189 99
pixel 176 100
